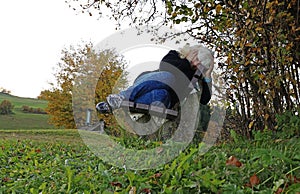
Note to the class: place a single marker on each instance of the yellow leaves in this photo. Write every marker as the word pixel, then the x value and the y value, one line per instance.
pixel 206 9
pixel 290 59
pixel 251 124
pixel 229 58
pixel 266 117
pixel 290 5
pixel 197 5
pixel 242 43
pixel 249 44
pixel 218 9
pixel 255 49
pixel 248 21
pixel 261 76
pixel 270 20
pixel 246 63
pixel 258 29
pixel 215 27
pixel 174 14
pixel 84 64
pixel 254 11
pixel 269 4
pixel 232 86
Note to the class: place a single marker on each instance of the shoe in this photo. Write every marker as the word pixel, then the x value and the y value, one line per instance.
pixel 114 100
pixel 103 108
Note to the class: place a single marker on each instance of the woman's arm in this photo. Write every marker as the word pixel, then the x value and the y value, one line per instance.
pixel 206 92
pixel 207 85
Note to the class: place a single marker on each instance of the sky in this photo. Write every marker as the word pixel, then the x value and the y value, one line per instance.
pixel 32 35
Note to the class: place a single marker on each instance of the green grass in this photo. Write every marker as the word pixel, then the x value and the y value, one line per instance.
pixel 57 161
pixel 69 136
pixel 18 102
pixel 21 120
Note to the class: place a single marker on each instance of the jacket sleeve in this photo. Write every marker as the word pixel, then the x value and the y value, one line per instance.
pixel 206 92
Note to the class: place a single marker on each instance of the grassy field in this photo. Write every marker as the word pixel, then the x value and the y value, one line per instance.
pixel 57 161
pixel 21 120
pixel 67 136
pixel 37 159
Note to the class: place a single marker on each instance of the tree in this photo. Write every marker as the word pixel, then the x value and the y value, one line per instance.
pixel 257 43
pixel 6 107
pixel 4 91
pixel 77 65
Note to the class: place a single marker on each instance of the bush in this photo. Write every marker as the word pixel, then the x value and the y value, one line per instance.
pixel 289 123
pixel 27 109
pixel 6 107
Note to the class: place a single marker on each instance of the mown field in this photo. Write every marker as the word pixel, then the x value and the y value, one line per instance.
pixel 57 161
pixel 21 120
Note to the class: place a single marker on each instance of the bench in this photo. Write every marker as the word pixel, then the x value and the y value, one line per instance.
pixel 149 109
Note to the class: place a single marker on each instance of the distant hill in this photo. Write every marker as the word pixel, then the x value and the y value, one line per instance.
pixel 22 120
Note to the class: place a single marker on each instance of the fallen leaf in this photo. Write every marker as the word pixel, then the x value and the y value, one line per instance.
pixel 132 190
pixel 146 190
pixel 116 184
pixel 156 175
pixel 293 179
pixel 6 179
pixel 254 180
pixel 279 190
pixel 233 161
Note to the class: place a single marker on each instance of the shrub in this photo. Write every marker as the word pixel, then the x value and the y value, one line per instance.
pixel 289 123
pixel 27 109
pixel 6 107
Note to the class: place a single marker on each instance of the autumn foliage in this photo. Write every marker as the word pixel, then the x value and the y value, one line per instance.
pixel 6 107
pixel 257 45
pixel 79 66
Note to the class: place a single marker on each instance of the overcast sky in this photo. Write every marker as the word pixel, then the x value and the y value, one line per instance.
pixel 34 32
pixel 32 35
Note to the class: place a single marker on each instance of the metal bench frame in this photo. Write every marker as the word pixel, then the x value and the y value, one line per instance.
pixel 149 109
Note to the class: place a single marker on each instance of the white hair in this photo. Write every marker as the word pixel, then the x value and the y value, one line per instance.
pixel 205 55
pixel 186 49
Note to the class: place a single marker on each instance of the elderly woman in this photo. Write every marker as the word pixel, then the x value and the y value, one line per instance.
pixel 178 73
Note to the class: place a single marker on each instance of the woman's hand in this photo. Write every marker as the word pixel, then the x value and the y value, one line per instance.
pixel 192 55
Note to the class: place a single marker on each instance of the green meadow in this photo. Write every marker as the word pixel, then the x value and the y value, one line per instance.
pixel 38 159
pixel 57 161
pixel 21 120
